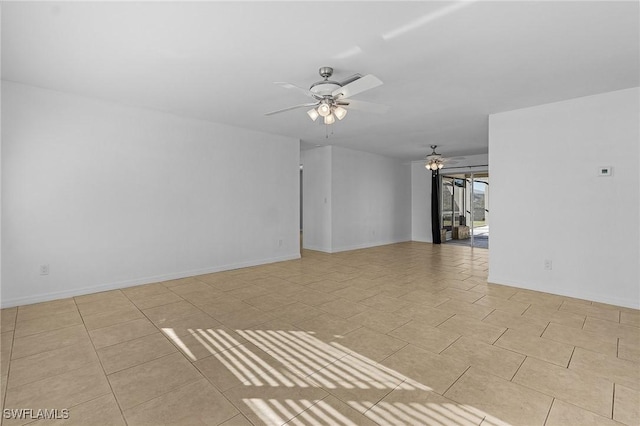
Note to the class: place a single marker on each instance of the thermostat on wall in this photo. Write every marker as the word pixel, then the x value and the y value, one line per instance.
pixel 605 171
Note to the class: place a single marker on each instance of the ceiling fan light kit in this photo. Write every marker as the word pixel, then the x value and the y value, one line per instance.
pixel 434 161
pixel 332 98
pixel 313 114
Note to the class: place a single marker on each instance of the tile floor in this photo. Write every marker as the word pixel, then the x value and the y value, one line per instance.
pixel 408 333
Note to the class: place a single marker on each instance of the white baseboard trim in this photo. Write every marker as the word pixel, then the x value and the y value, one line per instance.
pixel 601 298
pixel 45 297
pixel 422 240
pixel 369 245
pixel 316 248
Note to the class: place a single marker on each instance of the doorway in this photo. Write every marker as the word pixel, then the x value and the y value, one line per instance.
pixel 465 209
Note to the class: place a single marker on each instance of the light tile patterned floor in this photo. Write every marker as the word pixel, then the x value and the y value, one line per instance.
pixel 408 333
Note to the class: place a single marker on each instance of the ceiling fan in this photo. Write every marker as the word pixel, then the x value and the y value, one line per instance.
pixel 332 99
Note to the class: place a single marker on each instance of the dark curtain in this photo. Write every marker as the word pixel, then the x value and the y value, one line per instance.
pixel 435 206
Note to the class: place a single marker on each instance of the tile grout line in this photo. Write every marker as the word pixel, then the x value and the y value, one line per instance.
pixel 106 376
pixel 450 344
pixel 519 367
pixel 501 334
pixel 571 357
pixel 6 385
pixel 546 419
pixel 455 381
pixel 613 400
pixel 545 328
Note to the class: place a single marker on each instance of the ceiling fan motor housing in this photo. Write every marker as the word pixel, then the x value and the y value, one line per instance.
pixel 325 88
pixel 325 72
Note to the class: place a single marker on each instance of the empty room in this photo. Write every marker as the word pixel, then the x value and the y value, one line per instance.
pixel 320 213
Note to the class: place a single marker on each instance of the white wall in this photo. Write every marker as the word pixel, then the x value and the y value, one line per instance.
pixel 547 201
pixel 316 199
pixel 354 199
pixel 371 200
pixel 111 196
pixel 420 203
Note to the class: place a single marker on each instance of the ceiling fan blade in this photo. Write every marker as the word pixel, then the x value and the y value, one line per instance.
pixel 367 82
pixel 293 86
pixel 364 106
pixel 350 79
pixel 293 107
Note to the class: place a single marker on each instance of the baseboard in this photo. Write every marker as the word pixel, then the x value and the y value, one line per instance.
pixel 45 297
pixel 422 240
pixel 593 297
pixel 369 245
pixel 316 248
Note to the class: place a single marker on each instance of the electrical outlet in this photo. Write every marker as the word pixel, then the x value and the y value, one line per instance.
pixel 280 242
pixel 548 264
pixel 44 269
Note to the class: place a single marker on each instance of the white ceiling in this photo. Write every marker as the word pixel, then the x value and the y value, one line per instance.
pixel 445 65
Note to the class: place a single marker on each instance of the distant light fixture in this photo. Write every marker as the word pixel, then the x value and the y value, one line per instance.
pixel 434 161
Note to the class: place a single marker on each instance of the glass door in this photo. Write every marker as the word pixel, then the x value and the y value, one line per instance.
pixel 480 229
pixel 454 206
pixel 465 211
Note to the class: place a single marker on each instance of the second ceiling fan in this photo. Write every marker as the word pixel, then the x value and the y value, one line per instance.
pixel 332 99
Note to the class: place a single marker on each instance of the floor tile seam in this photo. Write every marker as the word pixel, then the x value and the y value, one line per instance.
pixel 106 378
pixel 110 392
pixel 519 367
pixel 316 402
pixel 88 339
pixel 558 397
pixel 582 345
pixel 184 385
pixel 16 330
pixel 611 358
pixel 375 403
pixel 17 321
pixel 177 351
pixel 128 339
pixel 449 345
pixel 6 385
pixel 613 400
pixel 454 382
pixel 47 331
pixel 190 382
pixel 163 303
pixel 287 354
pixel 553 401
pixel 498 338
pixel 95 361
pixel 176 318
pixel 99 328
pixel 394 329
pixel 529 356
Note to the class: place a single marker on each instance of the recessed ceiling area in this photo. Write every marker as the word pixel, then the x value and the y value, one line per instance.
pixel 445 65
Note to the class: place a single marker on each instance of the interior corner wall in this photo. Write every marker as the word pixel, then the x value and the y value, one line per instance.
pixel 420 203
pixel 111 196
pixel 548 202
pixel 370 200
pixel 316 199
